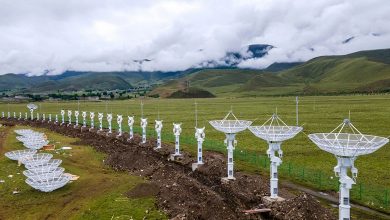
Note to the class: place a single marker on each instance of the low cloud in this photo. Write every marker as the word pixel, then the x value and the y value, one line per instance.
pixel 53 36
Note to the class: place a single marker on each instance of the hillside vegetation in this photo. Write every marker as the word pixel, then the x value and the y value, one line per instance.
pixel 361 72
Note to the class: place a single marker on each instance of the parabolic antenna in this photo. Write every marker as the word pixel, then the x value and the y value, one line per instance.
pixel 230 127
pixel 46 174
pixel 346 142
pixel 48 183
pixel 275 131
pixel 32 106
pixel 343 144
pixel 17 154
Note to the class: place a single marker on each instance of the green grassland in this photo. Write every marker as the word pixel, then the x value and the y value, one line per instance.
pixel 370 114
pixel 97 194
pixel 361 72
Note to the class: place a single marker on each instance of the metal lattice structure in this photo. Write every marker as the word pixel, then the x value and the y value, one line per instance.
pixel 346 142
pixel 36 159
pixel 230 128
pixel 33 174
pixel 49 165
pixel 275 131
pixel 18 154
pixel 48 183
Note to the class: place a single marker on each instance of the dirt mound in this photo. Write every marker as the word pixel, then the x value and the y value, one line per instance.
pixel 143 190
pixel 303 206
pixel 186 194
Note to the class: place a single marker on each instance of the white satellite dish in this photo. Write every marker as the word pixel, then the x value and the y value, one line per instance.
pixel 32 106
pixel 230 128
pixel 275 131
pixel 346 142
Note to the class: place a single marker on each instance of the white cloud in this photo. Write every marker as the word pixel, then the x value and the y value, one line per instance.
pixel 108 35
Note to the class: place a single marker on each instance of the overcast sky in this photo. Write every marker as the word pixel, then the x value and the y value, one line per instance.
pixel 93 35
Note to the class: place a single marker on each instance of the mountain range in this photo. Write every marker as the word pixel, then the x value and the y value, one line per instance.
pixel 360 72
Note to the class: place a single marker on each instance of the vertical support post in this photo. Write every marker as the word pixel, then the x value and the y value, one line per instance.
pixel 176 132
pixel 56 119
pixel 76 115
pixel 200 136
pixel 37 116
pixel 119 120
pixel 84 114
pixel 346 183
pixel 130 122
pixel 158 128
pixel 49 118
pixel 296 109
pixel 70 117
pixel 20 116
pixel 25 116
pixel 230 142
pixel 63 116
pixel 92 117
pixel 100 117
pixel 144 123
pixel 32 114
pixel 43 117
pixel 109 119
pixel 275 163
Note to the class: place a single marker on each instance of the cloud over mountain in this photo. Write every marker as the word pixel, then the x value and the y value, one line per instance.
pixel 53 36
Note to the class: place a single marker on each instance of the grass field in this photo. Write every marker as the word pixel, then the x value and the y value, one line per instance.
pixel 98 194
pixel 370 114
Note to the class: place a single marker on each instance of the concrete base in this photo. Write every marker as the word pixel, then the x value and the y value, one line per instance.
pixel 226 179
pixel 267 200
pixel 155 148
pixel 174 157
pixel 91 129
pixel 196 165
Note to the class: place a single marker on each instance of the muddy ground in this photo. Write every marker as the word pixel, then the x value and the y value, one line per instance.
pixel 186 194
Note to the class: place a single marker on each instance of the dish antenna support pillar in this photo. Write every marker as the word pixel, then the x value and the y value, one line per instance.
pixel 37 116
pixel 130 123
pixel 70 117
pixel 275 163
pixel 84 115
pixel 200 136
pixel 100 118
pixel 56 119
pixel 109 120
pixel 177 131
pixel 62 117
pixel 14 115
pixel 231 144
pixel 26 116
pixel 49 118
pixel 20 116
pixel 119 120
pixel 92 117
pixel 144 123
pixel 158 128
pixel 76 115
